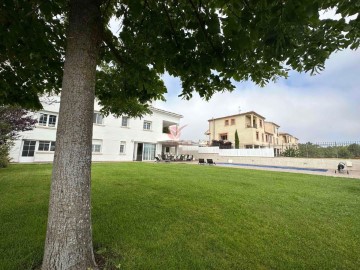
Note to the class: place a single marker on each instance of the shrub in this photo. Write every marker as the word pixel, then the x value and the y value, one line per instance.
pixel 4 155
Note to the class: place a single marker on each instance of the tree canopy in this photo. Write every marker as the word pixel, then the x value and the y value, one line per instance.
pixel 204 43
pixel 13 120
pixel 66 46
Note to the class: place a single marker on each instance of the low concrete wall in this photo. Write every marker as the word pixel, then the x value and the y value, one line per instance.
pixel 319 163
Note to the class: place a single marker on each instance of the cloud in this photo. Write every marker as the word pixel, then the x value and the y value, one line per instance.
pixel 324 107
pixel 317 108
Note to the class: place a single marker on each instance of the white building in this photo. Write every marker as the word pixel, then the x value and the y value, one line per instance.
pixel 114 139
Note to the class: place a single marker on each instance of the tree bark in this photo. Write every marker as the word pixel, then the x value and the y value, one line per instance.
pixel 69 234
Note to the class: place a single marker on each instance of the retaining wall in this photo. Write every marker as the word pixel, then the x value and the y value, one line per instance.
pixel 319 163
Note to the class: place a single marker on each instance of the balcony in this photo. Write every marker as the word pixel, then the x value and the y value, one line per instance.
pixel 251 126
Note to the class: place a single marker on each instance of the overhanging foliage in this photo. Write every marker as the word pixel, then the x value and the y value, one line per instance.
pixel 204 43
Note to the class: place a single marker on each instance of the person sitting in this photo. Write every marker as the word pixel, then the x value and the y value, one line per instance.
pixel 341 166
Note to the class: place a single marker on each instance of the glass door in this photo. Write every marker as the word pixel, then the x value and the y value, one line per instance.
pixel 139 152
pixel 149 151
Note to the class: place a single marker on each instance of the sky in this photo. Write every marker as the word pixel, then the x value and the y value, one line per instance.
pixel 320 108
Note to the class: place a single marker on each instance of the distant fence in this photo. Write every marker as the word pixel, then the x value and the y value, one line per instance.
pixel 333 144
pixel 259 152
pixel 344 149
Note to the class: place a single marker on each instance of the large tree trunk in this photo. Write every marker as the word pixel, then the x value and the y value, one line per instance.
pixel 69 235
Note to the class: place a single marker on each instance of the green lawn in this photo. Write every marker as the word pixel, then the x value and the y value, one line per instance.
pixel 179 216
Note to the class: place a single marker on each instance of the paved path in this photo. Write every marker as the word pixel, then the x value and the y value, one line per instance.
pixel 352 173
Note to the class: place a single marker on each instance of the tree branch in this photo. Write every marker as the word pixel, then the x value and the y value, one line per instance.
pixel 109 41
pixel 171 25
pixel 202 24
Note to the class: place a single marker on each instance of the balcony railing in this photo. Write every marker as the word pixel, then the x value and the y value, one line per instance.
pixel 251 126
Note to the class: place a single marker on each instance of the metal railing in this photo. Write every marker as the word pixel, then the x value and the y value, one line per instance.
pixel 342 149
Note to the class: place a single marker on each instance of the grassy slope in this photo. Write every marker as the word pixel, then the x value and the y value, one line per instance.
pixel 175 216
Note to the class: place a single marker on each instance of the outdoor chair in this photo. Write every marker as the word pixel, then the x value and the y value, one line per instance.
pixel 202 161
pixel 210 161
pixel 167 158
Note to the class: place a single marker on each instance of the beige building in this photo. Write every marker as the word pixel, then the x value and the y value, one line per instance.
pixel 253 131
pixel 288 141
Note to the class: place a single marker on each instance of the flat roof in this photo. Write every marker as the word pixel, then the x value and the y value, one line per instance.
pixel 239 114
pixel 272 123
pixel 166 112
pixel 285 133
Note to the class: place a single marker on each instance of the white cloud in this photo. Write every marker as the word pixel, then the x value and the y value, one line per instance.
pixel 318 108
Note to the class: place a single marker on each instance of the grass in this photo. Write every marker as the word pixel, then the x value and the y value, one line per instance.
pixel 179 216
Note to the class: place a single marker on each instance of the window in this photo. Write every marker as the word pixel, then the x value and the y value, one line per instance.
pixel 122 147
pixel 48 120
pixel 262 136
pixel 43 119
pixel 46 146
pixel 260 122
pixel 28 149
pixel 98 119
pixel 257 135
pixel 147 125
pixel 232 121
pixel 226 122
pixel 96 146
pixel 125 121
pixel 267 138
pixel 223 136
pixel 52 120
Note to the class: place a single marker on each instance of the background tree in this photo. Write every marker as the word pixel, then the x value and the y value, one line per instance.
pixel 343 152
pixel 329 152
pixel 320 151
pixel 12 121
pixel 237 144
pixel 354 149
pixel 309 150
pixel 204 43
pixel 291 152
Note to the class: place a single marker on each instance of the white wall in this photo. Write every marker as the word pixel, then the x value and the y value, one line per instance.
pixel 110 134
pixel 257 152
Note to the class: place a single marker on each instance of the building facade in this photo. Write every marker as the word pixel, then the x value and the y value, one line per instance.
pixel 114 138
pixel 253 131
pixel 288 141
